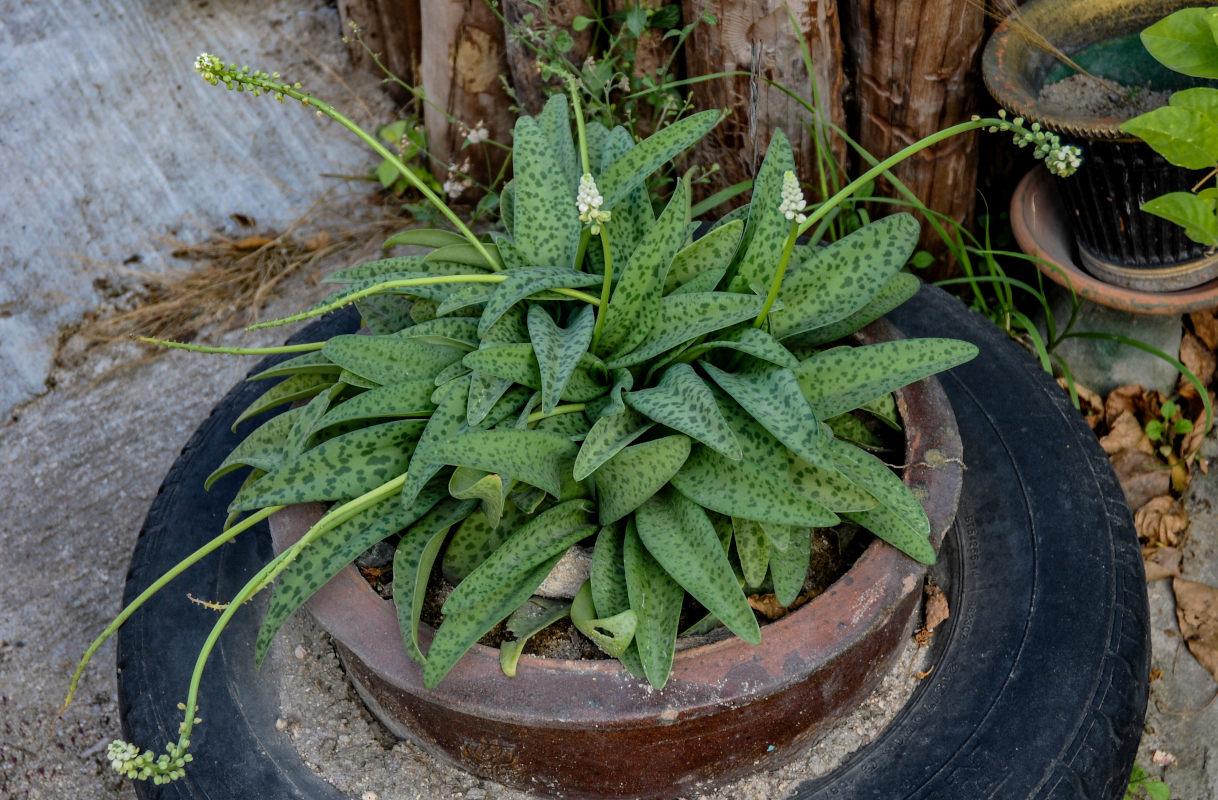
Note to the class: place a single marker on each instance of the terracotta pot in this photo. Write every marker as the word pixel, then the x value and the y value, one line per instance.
pixel 589 729
pixel 1117 242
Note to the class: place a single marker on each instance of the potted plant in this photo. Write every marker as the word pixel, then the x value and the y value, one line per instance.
pixel 589 374
pixel 1078 68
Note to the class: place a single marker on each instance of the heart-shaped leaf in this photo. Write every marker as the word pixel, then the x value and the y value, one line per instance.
pixel 558 351
pixel 683 402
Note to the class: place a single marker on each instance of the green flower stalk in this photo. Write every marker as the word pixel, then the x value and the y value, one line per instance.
pixel 792 208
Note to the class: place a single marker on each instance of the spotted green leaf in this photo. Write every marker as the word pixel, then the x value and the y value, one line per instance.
pixel 425 237
pixel 703 282
pixel 388 359
pixel 884 408
pixel 351 379
pixel 747 489
pixel 261 449
pixel 608 436
pixel 446 421
pixel 636 473
pixel 679 536
pixel 307 422
pixel 517 362
pixel 852 429
pixel 376 270
pixel 524 282
pixel 555 122
pixel 683 402
pixel 767 228
pixel 315 362
pixel 383 313
pixel 534 615
pixel 900 287
pixel 608 579
pixel 632 168
pixel 706 255
pixel 842 379
pixel 655 599
pixel 474 540
pixel 547 225
pixel 548 534
pixel 535 457
pixel 611 634
pixel 789 565
pixel 490 488
pixel 403 399
pixel 323 558
pixel 459 332
pixel 612 402
pixel 558 351
pixel 460 631
pixel 465 254
pixel 484 392
pixel 684 317
pixel 748 339
pixel 771 394
pixel 464 296
pixel 752 549
pixel 827 486
pixel 899 519
pixel 297 387
pixel 412 562
pixel 842 278
pixel 633 215
pixel 339 468
pixel 634 305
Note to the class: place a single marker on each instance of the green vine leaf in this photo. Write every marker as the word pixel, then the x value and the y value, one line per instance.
pixel 1184 41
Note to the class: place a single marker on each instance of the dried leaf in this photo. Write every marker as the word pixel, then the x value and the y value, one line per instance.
pixel 1197 613
pixel 1160 521
pixel 936 607
pixel 1161 562
pixel 1124 434
pixel 1200 360
pixel 1206 327
pixel 1143 477
pixel 1124 399
pixel 1162 758
pixel 1191 442
pixel 768 606
pixel 1091 404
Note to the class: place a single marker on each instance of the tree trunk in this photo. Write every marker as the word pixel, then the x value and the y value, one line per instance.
pixel 758 37
pixel 463 57
pixel 916 73
pixel 391 29
pixel 525 21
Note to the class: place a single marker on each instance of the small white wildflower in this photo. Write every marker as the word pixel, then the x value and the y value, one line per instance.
pixel 478 134
pixel 792 199
pixel 589 201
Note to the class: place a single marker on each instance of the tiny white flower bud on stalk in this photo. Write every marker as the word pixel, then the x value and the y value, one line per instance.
pixel 589 201
pixel 792 199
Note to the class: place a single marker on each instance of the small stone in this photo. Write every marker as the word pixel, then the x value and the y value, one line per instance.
pixel 378 555
pixel 281 724
pixel 300 652
pixel 369 796
pixel 568 574
pixel 476 793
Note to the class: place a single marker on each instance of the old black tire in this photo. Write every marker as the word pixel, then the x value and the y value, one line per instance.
pixel 1041 673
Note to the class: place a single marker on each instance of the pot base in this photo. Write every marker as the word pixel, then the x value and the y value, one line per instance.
pixel 1152 279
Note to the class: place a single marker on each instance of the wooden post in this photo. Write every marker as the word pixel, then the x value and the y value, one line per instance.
pixel 392 29
pixel 916 73
pixel 523 17
pixel 760 38
pixel 463 57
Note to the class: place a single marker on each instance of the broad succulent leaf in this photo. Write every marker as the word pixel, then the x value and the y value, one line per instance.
pixel 460 631
pixel 376 270
pixel 703 282
pixel 534 615
pixel 446 421
pixel 842 379
pixel 852 429
pixel 636 473
pixel 387 359
pixel 632 168
pixel 425 237
pixel 262 449
pixel 484 392
pixel 315 362
pixel 410 398
pixel 384 313
pixel 546 226
pixel 899 519
pixel 464 296
pixel 491 488
pixel 524 282
pixel 655 599
pixel 883 408
pixel 746 489
pixel 753 341
pixel 558 350
pixel 633 215
pixel 535 457
pixel 827 486
pixel 900 287
pixel 679 536
pixel 684 402
pixel 459 332
pixel 634 305
pixel 789 565
pixel 684 317
pixel 752 548
pixel 606 438
pixel 842 278
pixel 349 378
pixel 474 540
pixel 772 396
pixel 548 534
pixel 465 254
pixel 412 562
pixel 608 577
pixel 554 121
pixel 297 387
pixel 340 468
pixel 709 254
pixel 517 362
pixel 307 422
pixel 767 228
pixel 611 634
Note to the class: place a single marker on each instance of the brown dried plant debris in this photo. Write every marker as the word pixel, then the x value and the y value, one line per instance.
pixel 935 612
pixel 1197 613
pixel 1090 403
pixel 1205 325
pixel 1201 362
pixel 1160 522
pixel 1161 562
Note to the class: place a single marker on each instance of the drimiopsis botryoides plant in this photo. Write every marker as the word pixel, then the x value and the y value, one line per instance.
pixel 592 372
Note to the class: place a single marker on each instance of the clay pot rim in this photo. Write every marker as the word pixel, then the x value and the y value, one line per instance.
pixel 1017 91
pixel 729 671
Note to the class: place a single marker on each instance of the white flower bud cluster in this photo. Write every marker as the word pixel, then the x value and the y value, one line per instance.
pixel 1061 159
pixel 478 133
pixel 127 760
pixel 242 79
pixel 589 203
pixel 793 202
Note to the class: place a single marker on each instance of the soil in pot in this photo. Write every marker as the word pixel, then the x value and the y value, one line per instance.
pixel 1092 96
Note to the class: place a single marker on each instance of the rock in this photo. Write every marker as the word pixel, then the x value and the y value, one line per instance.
pixel 568 574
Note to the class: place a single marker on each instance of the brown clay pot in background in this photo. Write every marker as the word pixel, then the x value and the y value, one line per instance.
pixel 589 729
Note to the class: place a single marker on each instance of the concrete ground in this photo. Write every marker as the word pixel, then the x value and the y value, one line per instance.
pixel 110 141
